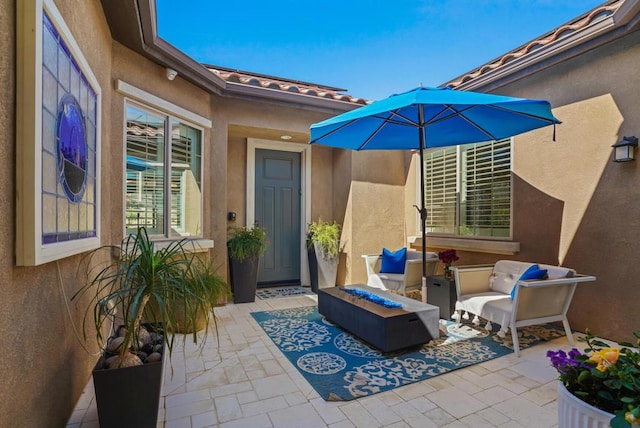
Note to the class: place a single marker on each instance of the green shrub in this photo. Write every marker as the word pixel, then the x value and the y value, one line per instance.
pixel 246 243
pixel 327 235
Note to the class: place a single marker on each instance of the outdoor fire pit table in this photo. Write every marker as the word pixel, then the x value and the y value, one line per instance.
pixel 388 329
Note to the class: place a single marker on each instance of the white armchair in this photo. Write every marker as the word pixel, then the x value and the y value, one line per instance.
pixel 411 279
pixel 486 292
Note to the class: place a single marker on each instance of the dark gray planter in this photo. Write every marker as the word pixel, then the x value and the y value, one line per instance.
pixel 313 267
pixel 128 396
pixel 244 279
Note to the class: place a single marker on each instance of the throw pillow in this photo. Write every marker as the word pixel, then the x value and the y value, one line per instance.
pixel 393 261
pixel 534 272
pixel 505 274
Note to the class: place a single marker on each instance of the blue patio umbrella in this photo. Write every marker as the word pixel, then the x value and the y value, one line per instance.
pixel 425 118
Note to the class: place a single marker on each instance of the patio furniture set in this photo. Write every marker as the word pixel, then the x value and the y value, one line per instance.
pixel 510 293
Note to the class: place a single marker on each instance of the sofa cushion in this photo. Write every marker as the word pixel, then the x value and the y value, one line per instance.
pixel 558 271
pixel 534 272
pixel 505 275
pixel 393 261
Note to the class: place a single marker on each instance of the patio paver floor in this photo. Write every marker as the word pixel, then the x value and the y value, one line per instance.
pixel 246 382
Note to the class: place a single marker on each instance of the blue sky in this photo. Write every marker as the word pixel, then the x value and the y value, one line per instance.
pixel 371 48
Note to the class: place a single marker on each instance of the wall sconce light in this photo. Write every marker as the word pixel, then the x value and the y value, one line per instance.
pixel 624 150
pixel 171 73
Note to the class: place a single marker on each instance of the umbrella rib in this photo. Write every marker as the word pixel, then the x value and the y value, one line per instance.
pixel 472 123
pixel 385 121
pixel 373 134
pixel 460 113
pixel 339 128
pixel 544 119
pixel 405 122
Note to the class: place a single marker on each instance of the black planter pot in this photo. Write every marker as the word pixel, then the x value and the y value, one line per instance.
pixel 313 267
pixel 244 279
pixel 128 396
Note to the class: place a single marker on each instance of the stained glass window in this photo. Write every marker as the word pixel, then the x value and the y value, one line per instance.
pixel 69 129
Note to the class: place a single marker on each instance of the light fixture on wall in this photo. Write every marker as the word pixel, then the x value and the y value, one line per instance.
pixel 286 137
pixel 171 73
pixel 624 150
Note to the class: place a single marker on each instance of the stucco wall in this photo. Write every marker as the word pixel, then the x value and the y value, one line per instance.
pixel 371 185
pixel 43 366
pixel 572 204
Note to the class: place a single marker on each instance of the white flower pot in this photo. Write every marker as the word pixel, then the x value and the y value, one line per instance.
pixel 327 269
pixel 575 413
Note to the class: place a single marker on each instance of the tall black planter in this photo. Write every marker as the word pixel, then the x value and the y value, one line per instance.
pixel 244 279
pixel 313 267
pixel 128 396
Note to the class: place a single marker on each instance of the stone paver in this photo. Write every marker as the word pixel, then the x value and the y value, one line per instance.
pixel 240 379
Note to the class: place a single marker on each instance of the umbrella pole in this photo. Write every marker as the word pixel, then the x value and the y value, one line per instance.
pixel 423 209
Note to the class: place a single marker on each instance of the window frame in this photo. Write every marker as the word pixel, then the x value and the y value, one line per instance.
pixel 152 104
pixel 29 245
pixel 169 122
pixel 489 244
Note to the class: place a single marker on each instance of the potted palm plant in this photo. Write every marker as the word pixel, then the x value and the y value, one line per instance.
pixel 204 288
pixel 323 240
pixel 245 247
pixel 136 286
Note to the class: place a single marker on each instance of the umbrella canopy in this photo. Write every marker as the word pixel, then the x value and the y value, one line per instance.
pixel 426 118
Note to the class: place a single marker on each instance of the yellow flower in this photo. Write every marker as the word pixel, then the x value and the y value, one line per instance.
pixel 605 358
pixel 630 418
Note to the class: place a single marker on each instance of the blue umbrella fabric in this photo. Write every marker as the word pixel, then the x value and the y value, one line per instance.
pixel 446 116
pixel 424 118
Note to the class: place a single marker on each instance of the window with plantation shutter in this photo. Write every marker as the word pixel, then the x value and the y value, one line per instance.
pixel 468 189
pixel 163 178
pixel 441 185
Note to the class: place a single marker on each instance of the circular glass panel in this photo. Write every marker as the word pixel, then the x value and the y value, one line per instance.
pixel 72 148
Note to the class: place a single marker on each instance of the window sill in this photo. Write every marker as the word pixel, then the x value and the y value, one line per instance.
pixel 190 245
pixel 465 244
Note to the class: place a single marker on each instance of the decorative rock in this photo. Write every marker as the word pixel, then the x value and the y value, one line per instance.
pixel 144 336
pixel 129 360
pixel 114 345
pixel 142 355
pixel 156 356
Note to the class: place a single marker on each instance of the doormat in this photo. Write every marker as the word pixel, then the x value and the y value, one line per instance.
pixel 340 367
pixel 270 293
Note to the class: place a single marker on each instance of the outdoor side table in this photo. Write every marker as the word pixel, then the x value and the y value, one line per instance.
pixel 441 292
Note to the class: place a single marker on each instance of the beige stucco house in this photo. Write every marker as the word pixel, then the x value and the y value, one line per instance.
pixel 570 204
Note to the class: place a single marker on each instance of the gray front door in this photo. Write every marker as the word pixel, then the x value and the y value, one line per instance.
pixel 278 211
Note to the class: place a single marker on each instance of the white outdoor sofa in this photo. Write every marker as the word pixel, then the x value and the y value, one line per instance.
pixel 485 291
pixel 400 282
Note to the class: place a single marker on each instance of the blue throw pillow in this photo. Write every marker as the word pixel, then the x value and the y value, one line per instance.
pixel 393 262
pixel 534 272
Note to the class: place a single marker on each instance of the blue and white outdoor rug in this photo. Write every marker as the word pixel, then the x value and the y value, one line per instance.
pixel 340 367
pixel 288 291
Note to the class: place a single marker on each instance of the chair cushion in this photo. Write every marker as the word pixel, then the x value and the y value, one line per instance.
pixel 505 275
pixel 534 272
pixel 393 261
pixel 558 271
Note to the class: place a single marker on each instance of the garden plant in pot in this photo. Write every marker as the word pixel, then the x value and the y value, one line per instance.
pixel 599 387
pixel 136 291
pixel 191 314
pixel 323 244
pixel 245 246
